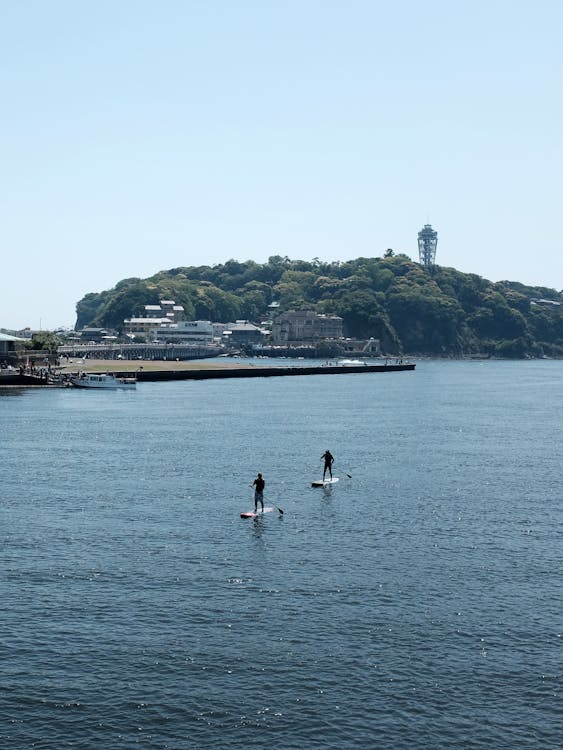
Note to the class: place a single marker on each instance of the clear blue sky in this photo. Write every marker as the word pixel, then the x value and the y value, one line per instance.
pixel 139 136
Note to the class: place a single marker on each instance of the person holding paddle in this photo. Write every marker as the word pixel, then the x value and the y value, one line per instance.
pixel 258 485
pixel 328 459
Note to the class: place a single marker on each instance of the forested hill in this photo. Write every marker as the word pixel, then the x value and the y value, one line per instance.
pixel 410 309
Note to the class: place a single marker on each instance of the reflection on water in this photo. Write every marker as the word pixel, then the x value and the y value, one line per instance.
pixel 11 391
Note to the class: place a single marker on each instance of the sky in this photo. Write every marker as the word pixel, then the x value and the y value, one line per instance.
pixel 140 136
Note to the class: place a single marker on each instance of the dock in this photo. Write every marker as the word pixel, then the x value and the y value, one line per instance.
pixel 23 380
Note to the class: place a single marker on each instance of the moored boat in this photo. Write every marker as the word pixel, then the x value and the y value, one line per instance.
pixel 102 380
pixel 350 362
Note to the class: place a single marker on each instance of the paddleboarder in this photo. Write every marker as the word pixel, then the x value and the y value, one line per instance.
pixel 328 459
pixel 258 485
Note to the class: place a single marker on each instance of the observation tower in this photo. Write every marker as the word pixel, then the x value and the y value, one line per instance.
pixel 427 241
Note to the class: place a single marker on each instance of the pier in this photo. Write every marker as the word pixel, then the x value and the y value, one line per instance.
pixel 156 372
pixel 259 371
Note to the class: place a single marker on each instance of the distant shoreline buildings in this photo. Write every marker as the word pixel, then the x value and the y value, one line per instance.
pixel 164 324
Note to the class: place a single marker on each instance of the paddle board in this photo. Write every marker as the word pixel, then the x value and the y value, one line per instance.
pixel 324 482
pixel 252 514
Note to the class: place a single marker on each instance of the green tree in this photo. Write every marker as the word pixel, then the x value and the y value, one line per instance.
pixel 128 301
pixel 496 320
pixel 45 341
pixel 289 294
pixel 425 322
pixel 212 303
pixel 87 309
pixel 255 298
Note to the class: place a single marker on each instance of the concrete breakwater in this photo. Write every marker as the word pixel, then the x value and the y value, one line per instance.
pixel 257 371
pixel 62 377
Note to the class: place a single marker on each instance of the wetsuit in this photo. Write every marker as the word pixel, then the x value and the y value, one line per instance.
pixel 258 485
pixel 329 458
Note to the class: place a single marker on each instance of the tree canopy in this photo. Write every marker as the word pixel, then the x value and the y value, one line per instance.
pixel 411 309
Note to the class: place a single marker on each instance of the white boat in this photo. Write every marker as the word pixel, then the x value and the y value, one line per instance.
pixel 102 380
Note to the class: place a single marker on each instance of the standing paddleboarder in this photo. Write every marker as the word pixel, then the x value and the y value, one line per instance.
pixel 258 485
pixel 328 459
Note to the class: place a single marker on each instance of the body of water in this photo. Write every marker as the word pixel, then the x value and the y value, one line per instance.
pixel 417 604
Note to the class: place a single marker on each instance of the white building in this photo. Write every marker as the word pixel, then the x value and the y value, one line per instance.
pixel 188 331
pixel 145 327
pixel 165 313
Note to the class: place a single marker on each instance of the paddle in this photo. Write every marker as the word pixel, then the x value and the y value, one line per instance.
pixel 348 475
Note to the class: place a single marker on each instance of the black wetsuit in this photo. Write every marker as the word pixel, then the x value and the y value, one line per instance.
pixel 259 485
pixel 329 458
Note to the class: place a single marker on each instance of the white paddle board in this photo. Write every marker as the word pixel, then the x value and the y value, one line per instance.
pixel 252 514
pixel 324 482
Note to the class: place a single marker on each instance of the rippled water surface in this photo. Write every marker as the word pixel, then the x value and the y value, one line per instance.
pixel 416 605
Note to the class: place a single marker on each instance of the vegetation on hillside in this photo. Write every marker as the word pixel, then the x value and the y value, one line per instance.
pixel 411 310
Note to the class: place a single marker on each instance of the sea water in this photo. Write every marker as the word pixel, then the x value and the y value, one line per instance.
pixel 416 604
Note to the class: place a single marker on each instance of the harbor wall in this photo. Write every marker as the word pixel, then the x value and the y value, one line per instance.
pixel 264 372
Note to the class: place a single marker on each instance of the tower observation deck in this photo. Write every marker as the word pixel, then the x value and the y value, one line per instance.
pixel 427 241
